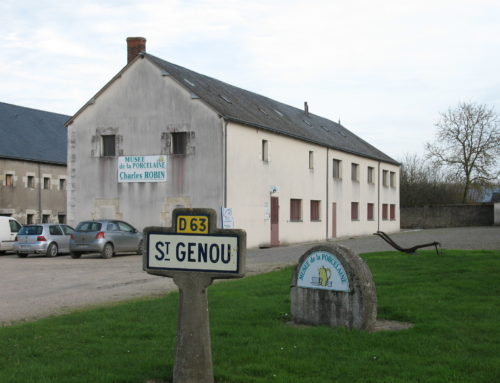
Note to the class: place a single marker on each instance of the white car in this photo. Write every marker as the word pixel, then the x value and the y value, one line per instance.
pixel 9 227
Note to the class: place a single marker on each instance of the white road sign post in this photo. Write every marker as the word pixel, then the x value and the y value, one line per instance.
pixel 194 252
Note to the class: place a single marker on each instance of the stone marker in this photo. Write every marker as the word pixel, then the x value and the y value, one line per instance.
pixel 194 252
pixel 333 286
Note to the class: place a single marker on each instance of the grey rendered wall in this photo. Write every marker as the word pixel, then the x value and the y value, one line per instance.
pixel 142 107
pixel 20 199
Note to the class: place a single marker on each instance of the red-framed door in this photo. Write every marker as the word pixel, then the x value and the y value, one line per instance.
pixel 275 232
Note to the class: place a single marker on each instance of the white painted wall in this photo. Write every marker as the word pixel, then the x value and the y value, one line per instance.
pixel 250 180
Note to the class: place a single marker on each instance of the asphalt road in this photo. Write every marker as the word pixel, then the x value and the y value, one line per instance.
pixel 36 286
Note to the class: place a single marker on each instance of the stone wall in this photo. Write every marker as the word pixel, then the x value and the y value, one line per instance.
pixel 427 217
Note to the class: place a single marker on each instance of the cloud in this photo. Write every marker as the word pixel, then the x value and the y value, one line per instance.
pixel 386 69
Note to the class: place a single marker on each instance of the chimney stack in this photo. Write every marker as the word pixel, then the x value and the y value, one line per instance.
pixel 135 45
pixel 306 108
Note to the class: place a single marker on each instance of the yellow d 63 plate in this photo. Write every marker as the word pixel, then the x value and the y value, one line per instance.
pixel 192 224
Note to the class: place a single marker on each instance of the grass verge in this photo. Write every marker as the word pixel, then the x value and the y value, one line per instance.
pixel 452 300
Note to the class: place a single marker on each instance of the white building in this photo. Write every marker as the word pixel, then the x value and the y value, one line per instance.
pixel 288 175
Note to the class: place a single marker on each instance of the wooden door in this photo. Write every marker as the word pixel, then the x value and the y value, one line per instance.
pixel 275 208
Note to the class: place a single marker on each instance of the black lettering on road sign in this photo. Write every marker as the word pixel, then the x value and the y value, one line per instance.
pixel 182 224
pixel 191 252
pixel 226 256
pixel 180 254
pixel 159 247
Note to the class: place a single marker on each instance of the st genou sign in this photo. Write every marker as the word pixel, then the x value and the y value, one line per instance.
pixel 194 252
pixel 194 245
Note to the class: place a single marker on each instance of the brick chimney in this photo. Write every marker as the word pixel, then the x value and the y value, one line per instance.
pixel 135 45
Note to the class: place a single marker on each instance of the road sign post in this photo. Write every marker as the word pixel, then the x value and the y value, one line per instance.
pixel 194 252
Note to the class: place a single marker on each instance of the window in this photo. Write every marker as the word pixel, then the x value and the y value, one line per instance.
pixel 112 226
pixel 393 179
pixel 31 182
pixel 68 230
pixel 295 210
pixel 354 211
pixel 355 172
pixel 369 212
pixel 179 143
pixel 14 226
pixel 108 145
pixel 46 184
pixel 370 175
pixel 384 212
pixel 265 150
pixel 61 218
pixel 384 178
pixel 45 218
pixel 311 159
pixel 62 184
pixel 55 230
pixel 336 168
pixel 9 180
pixel 315 209
pixel 124 227
pixel 29 219
pixel 393 212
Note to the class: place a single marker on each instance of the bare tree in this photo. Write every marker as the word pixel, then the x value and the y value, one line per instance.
pixel 468 144
pixel 421 183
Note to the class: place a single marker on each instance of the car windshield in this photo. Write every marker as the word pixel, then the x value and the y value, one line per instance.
pixel 31 230
pixel 89 226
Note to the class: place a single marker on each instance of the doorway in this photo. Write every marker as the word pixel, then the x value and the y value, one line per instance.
pixel 275 209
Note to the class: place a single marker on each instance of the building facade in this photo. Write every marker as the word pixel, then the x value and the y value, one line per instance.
pixel 33 178
pixel 159 136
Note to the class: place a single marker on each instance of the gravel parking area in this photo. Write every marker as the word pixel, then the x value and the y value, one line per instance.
pixel 36 286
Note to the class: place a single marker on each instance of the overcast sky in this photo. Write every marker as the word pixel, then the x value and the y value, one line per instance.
pixel 386 69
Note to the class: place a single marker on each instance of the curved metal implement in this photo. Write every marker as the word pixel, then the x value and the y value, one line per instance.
pixel 409 250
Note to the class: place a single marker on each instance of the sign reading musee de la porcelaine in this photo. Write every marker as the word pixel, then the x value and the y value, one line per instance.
pixel 142 168
pixel 322 270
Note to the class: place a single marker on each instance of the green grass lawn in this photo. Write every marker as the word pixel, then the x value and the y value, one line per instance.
pixel 453 301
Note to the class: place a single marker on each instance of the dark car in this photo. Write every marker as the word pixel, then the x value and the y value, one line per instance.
pixel 45 238
pixel 107 237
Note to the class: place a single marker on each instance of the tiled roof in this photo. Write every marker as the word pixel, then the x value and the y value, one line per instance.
pixel 239 105
pixel 32 135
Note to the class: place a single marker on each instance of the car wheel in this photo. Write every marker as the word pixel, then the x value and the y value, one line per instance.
pixel 107 251
pixel 76 255
pixel 52 250
pixel 139 248
pixel 22 255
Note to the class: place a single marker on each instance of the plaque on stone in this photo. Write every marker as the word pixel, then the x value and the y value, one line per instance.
pixel 333 286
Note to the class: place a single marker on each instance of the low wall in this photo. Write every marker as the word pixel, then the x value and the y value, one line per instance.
pixel 426 217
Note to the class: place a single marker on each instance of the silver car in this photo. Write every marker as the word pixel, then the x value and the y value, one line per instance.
pixel 45 238
pixel 107 237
